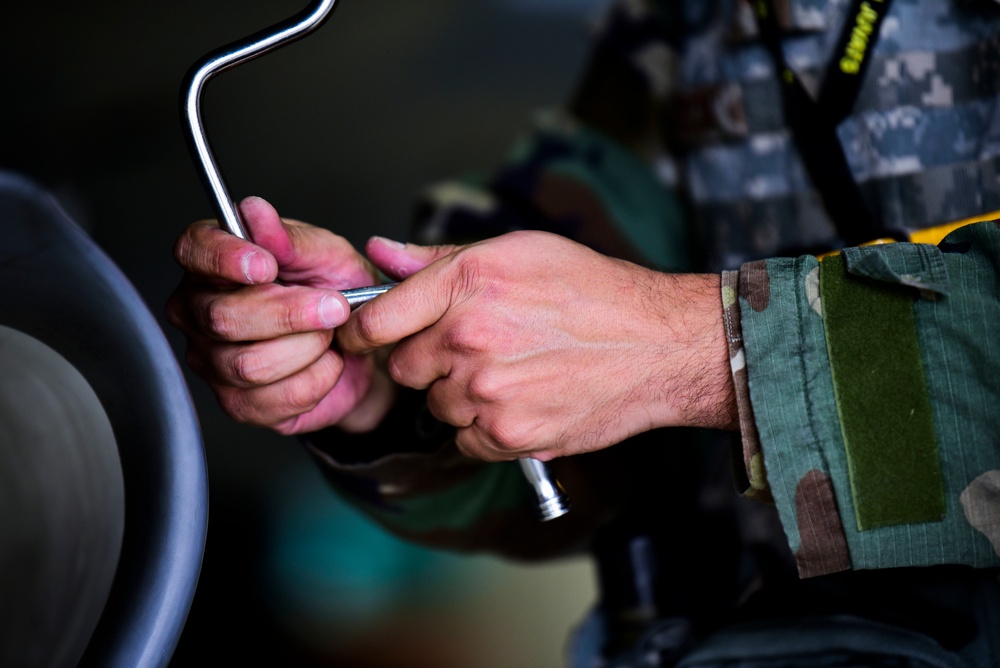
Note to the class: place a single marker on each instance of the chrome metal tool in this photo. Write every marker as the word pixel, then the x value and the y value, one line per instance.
pixel 552 502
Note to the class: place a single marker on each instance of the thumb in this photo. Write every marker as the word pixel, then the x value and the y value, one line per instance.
pixel 266 229
pixel 398 260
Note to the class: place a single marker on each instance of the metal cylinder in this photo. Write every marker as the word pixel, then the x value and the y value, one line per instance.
pixel 552 500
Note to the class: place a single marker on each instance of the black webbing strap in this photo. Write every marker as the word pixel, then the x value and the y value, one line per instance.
pixel 813 122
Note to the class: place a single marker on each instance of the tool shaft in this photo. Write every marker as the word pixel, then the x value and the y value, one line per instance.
pixel 357 296
pixel 219 61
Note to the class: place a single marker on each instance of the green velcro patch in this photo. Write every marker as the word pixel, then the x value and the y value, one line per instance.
pixel 882 399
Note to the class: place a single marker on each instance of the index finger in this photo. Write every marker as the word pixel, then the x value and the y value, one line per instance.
pixel 206 250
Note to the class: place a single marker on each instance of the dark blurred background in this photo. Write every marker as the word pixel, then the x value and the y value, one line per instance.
pixel 341 129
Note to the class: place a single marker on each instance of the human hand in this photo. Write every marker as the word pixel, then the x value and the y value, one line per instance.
pixel 534 345
pixel 263 347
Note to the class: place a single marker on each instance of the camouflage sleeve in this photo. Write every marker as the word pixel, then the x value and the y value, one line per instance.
pixel 873 382
pixel 445 500
pixel 408 476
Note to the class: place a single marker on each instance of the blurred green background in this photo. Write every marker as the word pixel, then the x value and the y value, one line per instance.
pixel 341 129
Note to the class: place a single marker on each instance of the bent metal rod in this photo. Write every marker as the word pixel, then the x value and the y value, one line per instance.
pixel 552 502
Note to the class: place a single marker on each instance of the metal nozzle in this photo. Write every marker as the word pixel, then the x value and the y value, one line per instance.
pixel 552 500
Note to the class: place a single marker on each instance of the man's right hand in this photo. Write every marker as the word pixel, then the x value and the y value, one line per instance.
pixel 265 347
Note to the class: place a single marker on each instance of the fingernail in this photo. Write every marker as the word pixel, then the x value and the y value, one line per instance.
pixel 331 311
pixel 389 242
pixel 254 267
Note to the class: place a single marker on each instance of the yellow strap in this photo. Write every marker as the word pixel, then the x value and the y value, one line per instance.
pixel 873 242
pixel 934 235
pixel 929 235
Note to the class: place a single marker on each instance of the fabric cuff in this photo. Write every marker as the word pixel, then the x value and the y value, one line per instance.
pixel 750 478
pixel 424 493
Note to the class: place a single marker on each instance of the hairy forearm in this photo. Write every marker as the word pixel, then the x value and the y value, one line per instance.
pixel 696 373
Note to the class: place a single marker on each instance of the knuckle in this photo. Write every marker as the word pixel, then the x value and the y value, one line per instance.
pixel 509 436
pixel 470 270
pixel 305 391
pixel 289 317
pixel 300 396
pixel 467 335
pixel 471 444
pixel 480 274
pixel 485 386
pixel 182 249
pixel 396 369
pixel 507 440
pixel 248 366
pixel 220 320
pixel 191 253
pixel 288 427
pixel 371 322
pixel 235 404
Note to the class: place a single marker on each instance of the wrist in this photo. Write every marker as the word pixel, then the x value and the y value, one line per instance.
pixel 693 375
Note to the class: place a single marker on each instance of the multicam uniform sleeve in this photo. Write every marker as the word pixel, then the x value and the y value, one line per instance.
pixel 874 379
